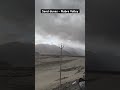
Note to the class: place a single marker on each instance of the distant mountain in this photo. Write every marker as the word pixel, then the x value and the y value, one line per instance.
pixel 55 50
pixel 101 61
pixel 17 54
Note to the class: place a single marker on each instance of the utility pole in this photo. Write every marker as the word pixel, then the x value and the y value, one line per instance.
pixel 61 47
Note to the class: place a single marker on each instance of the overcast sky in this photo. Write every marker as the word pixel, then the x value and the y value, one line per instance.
pixel 17 21
pixel 68 29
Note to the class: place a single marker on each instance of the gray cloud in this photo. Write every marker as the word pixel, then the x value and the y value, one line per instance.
pixel 62 26
pixel 16 20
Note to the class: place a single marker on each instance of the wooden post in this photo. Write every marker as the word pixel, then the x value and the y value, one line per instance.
pixel 61 47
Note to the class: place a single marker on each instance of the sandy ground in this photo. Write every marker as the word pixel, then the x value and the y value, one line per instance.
pixel 103 81
pixel 17 79
pixel 47 71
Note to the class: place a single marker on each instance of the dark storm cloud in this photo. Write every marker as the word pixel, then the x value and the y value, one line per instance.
pixel 102 28
pixel 16 20
pixel 64 26
pixel 103 35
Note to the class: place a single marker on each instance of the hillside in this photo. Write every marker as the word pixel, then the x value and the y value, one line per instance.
pixel 17 54
pixel 55 50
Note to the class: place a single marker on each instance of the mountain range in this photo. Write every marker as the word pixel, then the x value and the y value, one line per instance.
pixel 55 50
pixel 17 54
